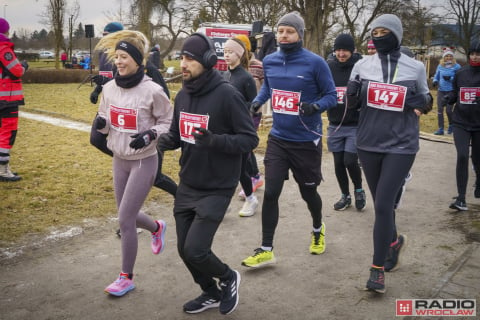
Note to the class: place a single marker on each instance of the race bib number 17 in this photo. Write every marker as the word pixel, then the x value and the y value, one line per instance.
pixel 285 102
pixel 386 96
pixel 189 121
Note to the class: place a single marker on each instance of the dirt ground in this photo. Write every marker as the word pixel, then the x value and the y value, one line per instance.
pixel 64 279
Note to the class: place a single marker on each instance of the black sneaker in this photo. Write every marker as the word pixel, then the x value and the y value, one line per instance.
pixel 459 205
pixel 392 262
pixel 201 303
pixel 229 300
pixel 376 282
pixel 360 200
pixel 344 202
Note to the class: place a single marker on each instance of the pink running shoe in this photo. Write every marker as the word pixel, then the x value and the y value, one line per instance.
pixel 158 238
pixel 120 286
pixel 257 183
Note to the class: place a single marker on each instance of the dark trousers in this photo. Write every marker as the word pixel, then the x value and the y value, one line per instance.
pixel 385 174
pixel 462 139
pixel 198 216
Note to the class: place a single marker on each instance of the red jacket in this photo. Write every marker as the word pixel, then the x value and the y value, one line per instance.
pixel 11 92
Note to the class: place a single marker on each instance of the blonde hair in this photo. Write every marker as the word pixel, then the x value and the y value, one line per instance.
pixel 136 38
pixel 442 60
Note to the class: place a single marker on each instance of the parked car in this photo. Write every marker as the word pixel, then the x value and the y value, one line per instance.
pixel 46 55
pixel 80 54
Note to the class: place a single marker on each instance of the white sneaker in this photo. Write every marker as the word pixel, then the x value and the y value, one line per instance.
pixel 249 207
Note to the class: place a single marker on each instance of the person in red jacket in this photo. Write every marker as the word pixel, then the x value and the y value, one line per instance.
pixel 11 97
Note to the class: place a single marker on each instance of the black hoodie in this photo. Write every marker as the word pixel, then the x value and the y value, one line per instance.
pixel 215 168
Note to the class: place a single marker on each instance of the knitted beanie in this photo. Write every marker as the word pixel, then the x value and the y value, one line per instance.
pixel 4 26
pixel 474 47
pixel 344 41
pixel 112 27
pixel 195 47
pixel 245 41
pixel 293 19
pixel 390 22
pixel 447 52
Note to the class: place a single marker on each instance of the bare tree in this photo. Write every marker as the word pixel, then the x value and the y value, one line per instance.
pixel 467 16
pixel 54 17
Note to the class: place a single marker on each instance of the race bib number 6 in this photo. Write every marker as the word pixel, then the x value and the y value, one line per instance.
pixel 386 96
pixel 468 95
pixel 189 121
pixel 285 101
pixel 123 119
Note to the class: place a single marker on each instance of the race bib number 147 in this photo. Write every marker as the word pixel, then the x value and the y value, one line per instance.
pixel 386 96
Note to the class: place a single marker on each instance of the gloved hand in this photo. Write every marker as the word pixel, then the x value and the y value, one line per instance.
pixel 100 123
pixel 449 98
pixel 477 101
pixel 203 137
pixel 434 84
pixel 447 78
pixel 307 109
pixel 142 139
pixel 166 142
pixel 254 107
pixel 352 93
pixel 25 65
pixel 100 80
pixel 95 93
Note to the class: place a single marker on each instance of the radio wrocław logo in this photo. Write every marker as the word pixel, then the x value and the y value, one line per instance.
pixel 436 307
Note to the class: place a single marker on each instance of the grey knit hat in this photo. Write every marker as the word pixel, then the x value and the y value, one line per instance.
pixel 390 22
pixel 293 19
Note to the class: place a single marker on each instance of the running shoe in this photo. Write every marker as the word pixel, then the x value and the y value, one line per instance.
pixel 158 238
pixel 344 202
pixel 260 258
pixel 120 286
pixel 249 207
pixel 360 200
pixel 201 303
pixel 392 262
pixel 450 130
pixel 376 282
pixel 398 200
pixel 317 246
pixel 229 300
pixel 459 205
pixel 241 195
pixel 408 177
pixel 257 182
pixel 439 132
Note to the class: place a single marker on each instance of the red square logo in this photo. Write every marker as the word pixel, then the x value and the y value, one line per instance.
pixel 404 307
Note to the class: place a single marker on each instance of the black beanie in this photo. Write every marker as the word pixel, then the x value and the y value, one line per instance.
pixel 195 47
pixel 474 47
pixel 344 41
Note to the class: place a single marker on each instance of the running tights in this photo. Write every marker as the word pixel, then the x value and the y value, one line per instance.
pixel 346 163
pixel 462 140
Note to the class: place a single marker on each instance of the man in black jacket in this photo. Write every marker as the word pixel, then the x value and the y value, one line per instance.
pixel 342 128
pixel 213 128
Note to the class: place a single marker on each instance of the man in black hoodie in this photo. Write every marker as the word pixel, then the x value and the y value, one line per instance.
pixel 342 128
pixel 213 128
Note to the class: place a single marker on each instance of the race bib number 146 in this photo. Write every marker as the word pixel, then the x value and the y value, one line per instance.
pixel 285 102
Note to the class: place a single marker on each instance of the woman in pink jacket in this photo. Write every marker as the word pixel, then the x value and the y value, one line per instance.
pixel 133 111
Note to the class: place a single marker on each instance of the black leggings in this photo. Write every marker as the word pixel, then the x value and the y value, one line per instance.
pixel 462 139
pixel 270 211
pixel 385 174
pixel 346 163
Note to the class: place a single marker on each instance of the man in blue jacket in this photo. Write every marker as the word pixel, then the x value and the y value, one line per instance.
pixel 300 86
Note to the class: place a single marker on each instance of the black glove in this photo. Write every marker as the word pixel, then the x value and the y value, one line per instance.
pixel 254 107
pixel 447 78
pixel 352 93
pixel 95 93
pixel 100 80
pixel 165 141
pixel 100 123
pixel 25 65
pixel 142 139
pixel 203 137
pixel 477 101
pixel 307 109
pixel 449 98
pixel 434 84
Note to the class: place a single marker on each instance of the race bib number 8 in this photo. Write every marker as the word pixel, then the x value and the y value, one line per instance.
pixel 123 119
pixel 189 121
pixel 285 101
pixel 468 95
pixel 386 96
